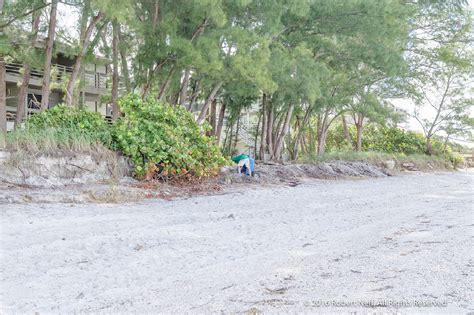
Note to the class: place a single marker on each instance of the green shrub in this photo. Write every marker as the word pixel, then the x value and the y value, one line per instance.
pixel 393 140
pixel 70 120
pixel 336 141
pixel 421 161
pixel 164 140
pixel 390 140
pixel 382 139
pixel 456 159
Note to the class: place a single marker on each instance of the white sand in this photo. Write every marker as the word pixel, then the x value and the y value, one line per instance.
pixel 271 249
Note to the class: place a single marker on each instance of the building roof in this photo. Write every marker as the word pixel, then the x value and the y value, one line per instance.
pixel 58 46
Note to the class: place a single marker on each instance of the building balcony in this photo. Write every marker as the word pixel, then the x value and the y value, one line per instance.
pixel 92 82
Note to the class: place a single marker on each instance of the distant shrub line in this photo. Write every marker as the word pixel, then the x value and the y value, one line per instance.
pixel 390 140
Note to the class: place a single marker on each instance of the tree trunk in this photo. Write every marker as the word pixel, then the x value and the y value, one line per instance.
pixel 237 129
pixel 359 124
pixel 270 130
pixel 296 128
pixel 263 138
pixel 347 134
pixel 429 146
pixel 173 98
pixel 322 129
pixel 212 117
pixel 220 122
pixel 83 28
pixel 255 140
pixel 151 74
pixel 304 146
pixel 149 79
pixel 123 57
pixel 312 146
pixel 166 85
pixel 147 84
pixel 20 110
pixel 284 132
pixel 3 100
pixel 276 130
pixel 359 138
pixel 299 135
pixel 211 97
pixel 115 73
pixel 156 14
pixel 322 141
pixel 48 56
pixel 228 139
pixel 431 131
pixel 196 91
pixel 84 45
pixel 184 87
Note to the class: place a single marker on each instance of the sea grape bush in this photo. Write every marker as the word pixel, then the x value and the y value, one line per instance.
pixel 164 140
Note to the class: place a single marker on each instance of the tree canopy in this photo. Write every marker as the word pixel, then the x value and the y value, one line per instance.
pixel 300 64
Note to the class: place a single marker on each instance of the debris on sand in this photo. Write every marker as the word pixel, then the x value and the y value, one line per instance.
pixel 291 174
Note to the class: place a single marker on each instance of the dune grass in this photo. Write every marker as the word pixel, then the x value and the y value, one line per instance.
pixel 49 142
pixel 421 161
pixel 25 145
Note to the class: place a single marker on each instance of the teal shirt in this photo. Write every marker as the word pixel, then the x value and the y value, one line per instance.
pixel 237 158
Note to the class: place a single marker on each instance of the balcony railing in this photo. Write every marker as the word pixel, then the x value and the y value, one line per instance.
pixel 93 81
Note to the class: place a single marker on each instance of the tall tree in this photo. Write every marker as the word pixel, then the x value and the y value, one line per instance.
pixel 115 74
pixel 3 100
pixel 20 111
pixel 442 67
pixel 123 61
pixel 84 42
pixel 449 102
pixel 15 11
pixel 48 55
